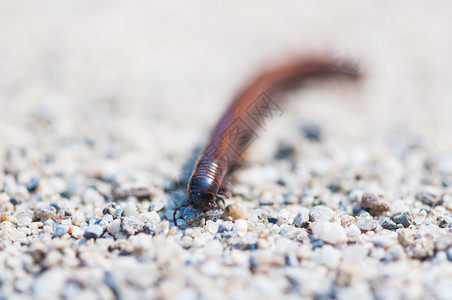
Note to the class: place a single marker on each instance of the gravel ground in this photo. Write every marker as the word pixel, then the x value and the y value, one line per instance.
pixel 104 105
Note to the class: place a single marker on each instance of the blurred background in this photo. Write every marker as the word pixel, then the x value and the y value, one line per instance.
pixel 110 86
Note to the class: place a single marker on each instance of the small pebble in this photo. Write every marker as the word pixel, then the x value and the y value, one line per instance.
pixel 130 209
pixel 60 230
pixel 387 223
pixel 376 204
pixel 331 233
pixel 15 201
pixel 449 254
pixel 406 219
pixel 272 220
pixel 321 213
pixel 110 209
pixel 240 227
pixel 93 232
pixel 406 236
pixel 427 196
pixel 311 131
pixel 131 225
pixel 353 231
pixel 33 184
pixel 395 253
pixel 235 212
pixel 365 224
pixel 300 220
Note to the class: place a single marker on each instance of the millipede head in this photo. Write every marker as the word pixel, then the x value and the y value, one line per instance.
pixel 203 201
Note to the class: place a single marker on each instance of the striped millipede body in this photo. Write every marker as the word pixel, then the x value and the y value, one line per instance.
pixel 236 128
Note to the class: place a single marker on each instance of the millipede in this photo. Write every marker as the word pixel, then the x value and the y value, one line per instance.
pixel 235 130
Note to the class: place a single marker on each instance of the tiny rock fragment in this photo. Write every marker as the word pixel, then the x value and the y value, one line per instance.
pixel 387 223
pixel 33 184
pixel 377 204
pixel 93 232
pixel 47 212
pixel 272 220
pixel 60 230
pixel 365 224
pixel 300 220
pixel 406 237
pixel 427 196
pixel 406 219
pixel 321 213
pixel 235 212
pixel 331 233
pixel 311 131
pixel 240 227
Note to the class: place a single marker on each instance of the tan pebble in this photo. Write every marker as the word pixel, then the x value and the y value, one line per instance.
pixel 4 217
pixel 76 232
pixel 78 218
pixel 235 212
pixel 98 212
pixel 406 236
pixel 172 231
pixel 376 203
pixel 423 248
pixel 347 220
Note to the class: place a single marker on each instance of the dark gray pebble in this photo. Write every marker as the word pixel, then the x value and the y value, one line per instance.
pixel 33 184
pixel 93 232
pixel 426 198
pixel 285 151
pixel 403 218
pixel 16 201
pixel 387 223
pixel 272 220
pixel 311 131
pixel 65 194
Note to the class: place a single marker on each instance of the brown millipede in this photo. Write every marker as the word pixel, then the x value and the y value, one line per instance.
pixel 236 128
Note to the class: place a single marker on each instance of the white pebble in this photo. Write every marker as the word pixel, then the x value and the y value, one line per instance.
pixel 331 233
pixel 240 227
pixel 353 231
pixel 130 209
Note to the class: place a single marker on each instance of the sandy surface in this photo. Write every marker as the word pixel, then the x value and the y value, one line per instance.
pixel 100 99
